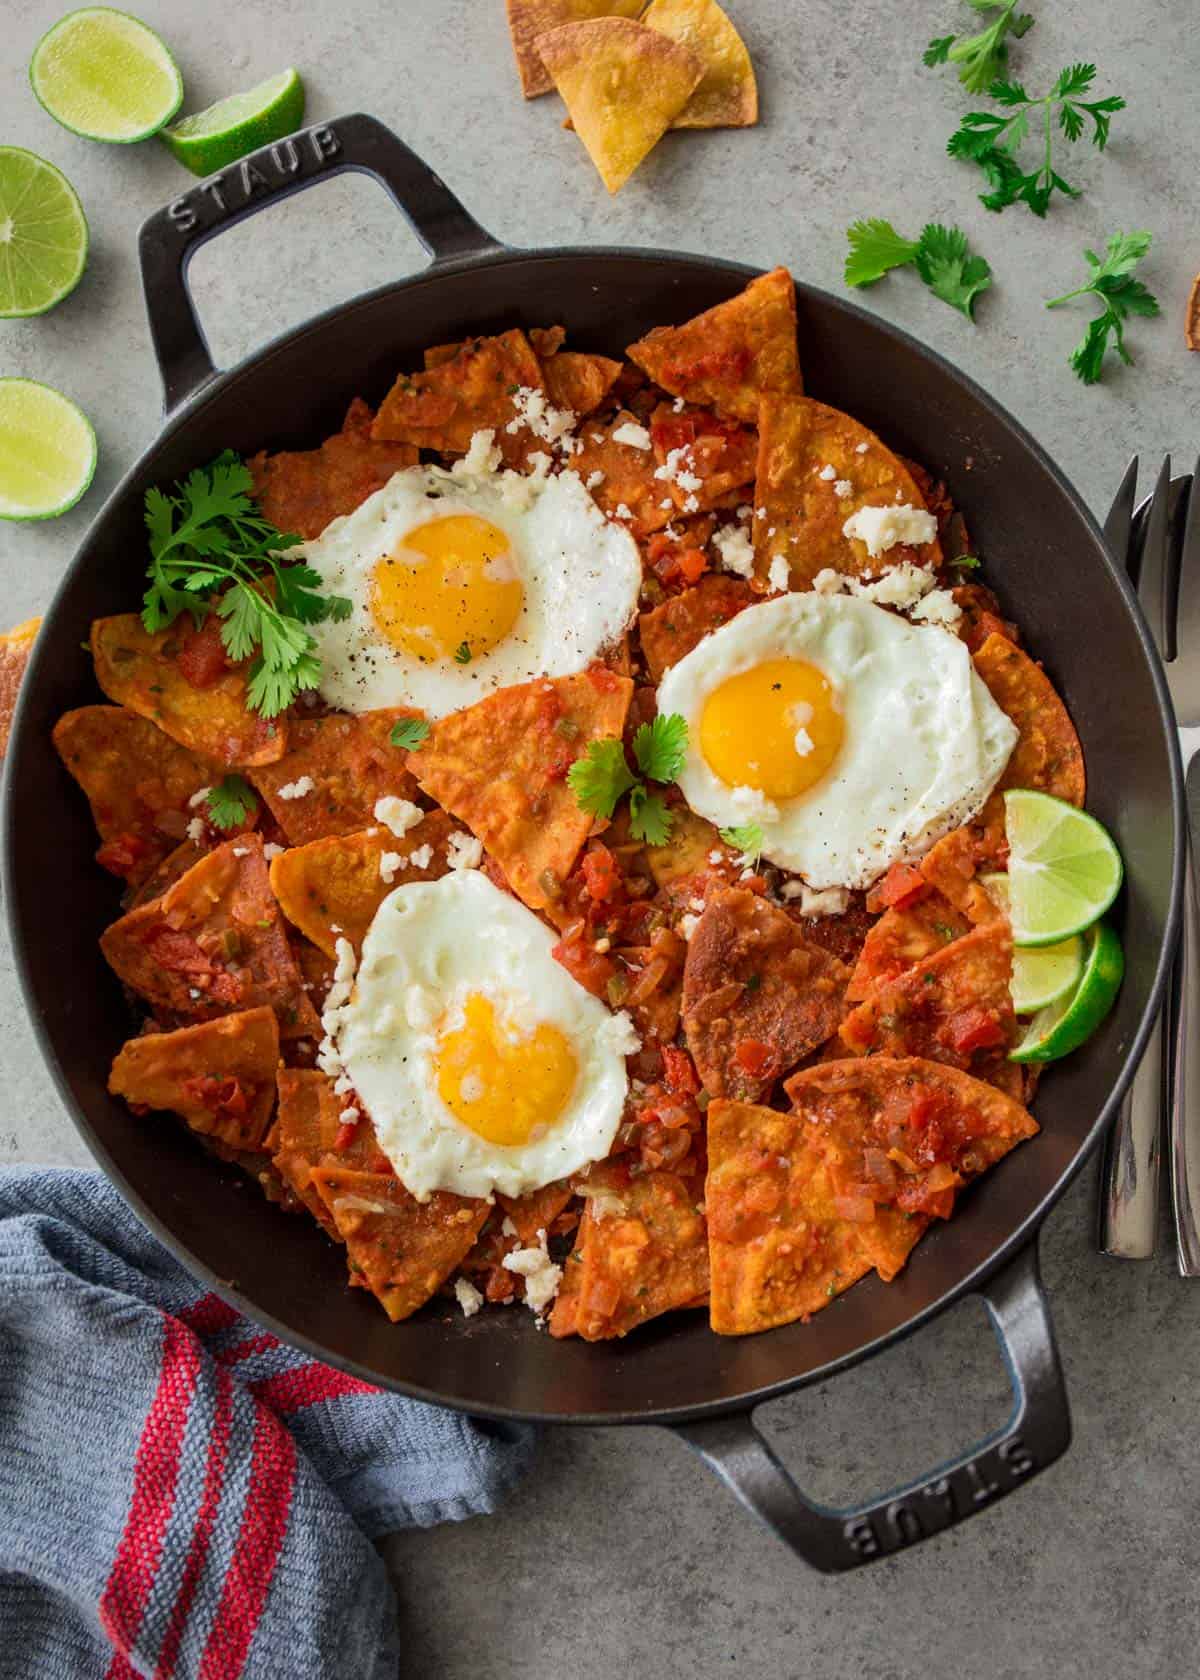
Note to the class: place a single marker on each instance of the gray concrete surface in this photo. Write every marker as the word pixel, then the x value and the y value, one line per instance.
pixel 622 1555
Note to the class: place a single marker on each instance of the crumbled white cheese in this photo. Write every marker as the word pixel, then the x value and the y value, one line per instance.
pixel 297 789
pixel 829 582
pixel 803 743
pixel 696 904
pixel 241 851
pixel 619 1034
pixel 716 856
pixel 422 857
pixel 195 829
pixel 830 902
pixel 902 587
pixel 843 488
pixel 532 410
pixel 271 850
pixel 688 925
pixel 778 574
pixel 674 471
pixel 389 862
pixel 622 512
pixel 464 851
pixel 938 607
pixel 542 1276
pixel 467 1296
pixel 666 502
pixel 482 457
pixel 828 473
pixel 594 479
pixel 881 528
pixel 329 1058
pixel 398 815
pixel 347 1115
pixel 691 504
pixel 633 436
pixel 861 448
pixel 199 797
pixel 679 405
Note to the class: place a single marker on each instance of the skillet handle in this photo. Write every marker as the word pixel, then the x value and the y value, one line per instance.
pixel 1037 1432
pixel 170 237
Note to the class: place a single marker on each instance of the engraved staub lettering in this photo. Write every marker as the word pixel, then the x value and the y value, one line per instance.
pixel 1016 1457
pixel 213 189
pixel 182 215
pixel 906 1524
pixel 862 1538
pixel 286 157
pixel 982 1488
pixel 325 143
pixel 253 180
pixel 943 1492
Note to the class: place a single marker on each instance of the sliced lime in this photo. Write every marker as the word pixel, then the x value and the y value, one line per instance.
pixel 1063 868
pixel 47 451
pixel 104 75
pixel 43 234
pixel 1065 1025
pixel 1044 974
pixel 208 140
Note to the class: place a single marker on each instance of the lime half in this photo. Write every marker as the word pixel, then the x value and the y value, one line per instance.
pixel 43 234
pixel 47 451
pixel 1044 974
pixel 104 75
pixel 1065 1025
pixel 1063 868
pixel 208 140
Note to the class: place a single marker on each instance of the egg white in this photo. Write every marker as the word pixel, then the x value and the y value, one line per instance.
pixel 431 944
pixel 580 572
pixel 924 742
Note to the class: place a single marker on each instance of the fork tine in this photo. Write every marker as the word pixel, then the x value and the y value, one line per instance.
pixel 1119 524
pixel 1154 559
pixel 1187 594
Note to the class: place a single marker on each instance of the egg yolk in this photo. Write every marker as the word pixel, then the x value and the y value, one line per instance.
pixel 503 1088
pixel 450 590
pixel 776 728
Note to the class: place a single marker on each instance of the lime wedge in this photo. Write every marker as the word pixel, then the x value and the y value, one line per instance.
pixel 43 234
pixel 1065 1025
pixel 206 141
pixel 1063 869
pixel 104 75
pixel 47 451
pixel 1045 974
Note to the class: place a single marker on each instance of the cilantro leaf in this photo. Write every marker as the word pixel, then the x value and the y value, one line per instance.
pixel 981 57
pixel 948 268
pixel 1120 294
pixel 600 778
pixel 875 247
pixel 409 733
pixel 938 50
pixel 660 747
pixel 649 819
pixel 462 653
pixel 748 839
pixel 231 802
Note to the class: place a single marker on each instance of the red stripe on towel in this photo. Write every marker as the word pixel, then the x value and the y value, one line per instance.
pixel 208 1315
pixel 307 1385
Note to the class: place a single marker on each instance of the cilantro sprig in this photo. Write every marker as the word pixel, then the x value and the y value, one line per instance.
pixel 231 802
pixel 410 733
pixel 747 837
pixel 981 58
pixel 1120 295
pixel 212 551
pixel 601 778
pixel 992 139
pixel 941 257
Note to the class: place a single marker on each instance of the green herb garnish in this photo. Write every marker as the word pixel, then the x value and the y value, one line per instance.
pixel 462 653
pixel 409 733
pixel 747 839
pixel 660 747
pixel 981 58
pixel 231 802
pixel 940 256
pixel 601 777
pixel 1120 295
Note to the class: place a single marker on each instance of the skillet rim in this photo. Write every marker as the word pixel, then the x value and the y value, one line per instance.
pixel 493 258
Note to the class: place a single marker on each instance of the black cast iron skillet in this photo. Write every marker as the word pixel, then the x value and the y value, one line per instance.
pixel 1045 557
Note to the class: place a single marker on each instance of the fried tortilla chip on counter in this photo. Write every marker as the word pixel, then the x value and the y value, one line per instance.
pixel 16 645
pixel 703 457
pixel 641 1250
pixel 473 391
pixel 905 934
pixel 138 781
pixel 206 711
pixel 954 1006
pixel 527 19
pixel 309 1132
pixel 728 95
pixel 214 943
pixel 674 628
pixel 732 355
pixel 578 381
pixel 501 766
pixel 331 888
pixel 334 770
pixel 816 468
pixel 620 475
pixel 757 995
pixel 220 1075
pixel 403 1249
pixel 302 491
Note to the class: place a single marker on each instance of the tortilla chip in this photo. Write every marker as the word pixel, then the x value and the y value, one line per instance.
pixel 902 937
pixel 16 645
pixel 351 763
pixel 980 616
pixel 695 444
pixel 501 765
pixel 732 355
pixel 687 851
pixel 142 672
pixel 842 935
pixel 799 514
pixel 623 86
pixel 446 405
pixel 535 1211
pixel 213 944
pixel 303 491
pixel 628 489
pixel 939 1007
pixel 671 630
pixel 1192 321
pixel 165 874
pixel 951 868
pixel 578 381
pixel 331 888
pixel 752 979
pixel 404 1249
pixel 728 95
pixel 138 782
pixel 777 1248
pixel 641 1251
pixel 527 19
pixel 316 967
pixel 220 1076
pixel 307 1127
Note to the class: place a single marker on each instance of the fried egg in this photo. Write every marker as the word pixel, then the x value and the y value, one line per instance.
pixel 462 583
pixel 483 1064
pixel 851 737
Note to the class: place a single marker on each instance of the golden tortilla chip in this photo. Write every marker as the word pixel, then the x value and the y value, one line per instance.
pixel 308 1129
pixel 951 868
pixel 472 391
pixel 732 355
pixel 138 781
pixel 902 936
pixel 623 86
pixel 142 672
pixel 527 19
pixel 535 1211
pixel 302 491
pixel 807 453
pixel 695 444
pixel 165 874
pixel 579 381
pixel 728 95
pixel 687 851
pixel 220 1076
pixel 501 767
pixel 628 489
pixel 350 762
pixel 331 888
pixel 15 647
pixel 671 630
pixel 403 1249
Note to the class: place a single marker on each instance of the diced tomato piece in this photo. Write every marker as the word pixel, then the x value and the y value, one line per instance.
pixel 974 1029
pixel 753 1057
pixel 179 953
pixel 202 657
pixel 500 1286
pixel 691 564
pixel 902 885
pixel 346 1133
pixel 122 854
pixel 222 1096
pixel 590 967
pixel 600 873
pixel 680 1071
pixel 602 678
